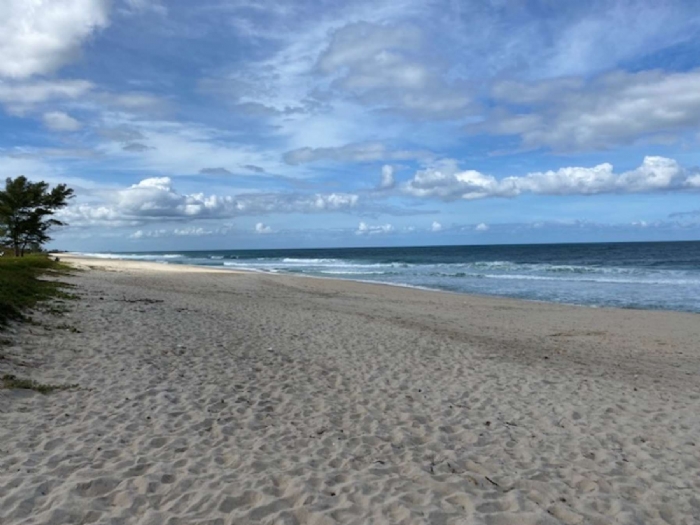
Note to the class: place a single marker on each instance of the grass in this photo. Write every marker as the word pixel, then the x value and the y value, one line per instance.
pixel 10 381
pixel 22 289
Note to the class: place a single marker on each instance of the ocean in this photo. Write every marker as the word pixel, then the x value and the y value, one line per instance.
pixel 653 275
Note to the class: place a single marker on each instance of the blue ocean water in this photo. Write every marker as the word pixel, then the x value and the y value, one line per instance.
pixel 654 275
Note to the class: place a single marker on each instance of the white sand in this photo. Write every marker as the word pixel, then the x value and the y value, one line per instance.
pixel 233 398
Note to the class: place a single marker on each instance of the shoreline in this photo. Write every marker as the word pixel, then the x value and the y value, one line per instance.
pixel 84 260
pixel 115 264
pixel 259 398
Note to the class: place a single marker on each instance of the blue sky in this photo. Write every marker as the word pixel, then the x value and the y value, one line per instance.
pixel 239 124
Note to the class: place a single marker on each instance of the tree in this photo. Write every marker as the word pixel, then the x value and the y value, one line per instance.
pixel 26 212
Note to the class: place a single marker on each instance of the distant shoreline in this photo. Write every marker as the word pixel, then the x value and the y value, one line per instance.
pixel 603 276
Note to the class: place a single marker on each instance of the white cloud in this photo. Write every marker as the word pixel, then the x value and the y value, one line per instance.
pixel 444 180
pixel 390 66
pixel 20 97
pixel 263 203
pixel 436 226
pixel 193 232
pixel 617 108
pixel 262 228
pixel 361 152
pixel 93 214
pixel 134 102
pixel 387 181
pixel 482 227
pixel 179 149
pixel 39 36
pixel 190 231
pixel 156 199
pixel 140 234
pixel 611 33
pixel 59 121
pixel 365 229
pixel 655 174
pixel 361 50
pixel 121 113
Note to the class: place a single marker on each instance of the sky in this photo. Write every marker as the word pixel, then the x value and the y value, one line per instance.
pixel 225 124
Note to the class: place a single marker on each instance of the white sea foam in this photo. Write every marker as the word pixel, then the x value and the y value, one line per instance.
pixel 132 256
pixel 597 283
pixel 649 281
pixel 549 268
pixel 349 272
pixel 296 260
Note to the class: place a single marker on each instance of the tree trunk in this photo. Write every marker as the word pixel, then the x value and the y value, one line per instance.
pixel 17 252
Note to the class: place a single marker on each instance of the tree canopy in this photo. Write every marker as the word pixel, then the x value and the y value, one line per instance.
pixel 26 212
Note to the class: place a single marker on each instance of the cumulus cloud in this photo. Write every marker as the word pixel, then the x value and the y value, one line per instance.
pixel 39 36
pixel 446 181
pixel 436 226
pixel 262 228
pixel 60 121
pixel 360 152
pixel 617 108
pixel 365 229
pixel 84 215
pixel 256 203
pixel 191 231
pixel 481 227
pixel 155 199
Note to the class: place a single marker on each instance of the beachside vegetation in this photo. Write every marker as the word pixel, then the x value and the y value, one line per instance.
pixel 26 212
pixel 11 381
pixel 21 285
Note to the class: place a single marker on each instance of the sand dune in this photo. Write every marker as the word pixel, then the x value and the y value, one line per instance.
pixel 232 398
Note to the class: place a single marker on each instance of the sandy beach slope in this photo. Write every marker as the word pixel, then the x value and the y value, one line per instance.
pixel 232 398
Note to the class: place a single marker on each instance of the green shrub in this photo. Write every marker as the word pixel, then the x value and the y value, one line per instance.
pixel 21 287
pixel 10 381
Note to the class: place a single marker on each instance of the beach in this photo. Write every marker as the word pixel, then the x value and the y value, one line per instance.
pixel 222 397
